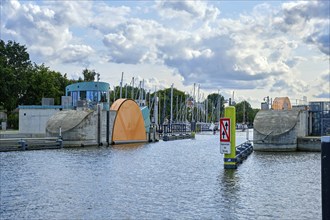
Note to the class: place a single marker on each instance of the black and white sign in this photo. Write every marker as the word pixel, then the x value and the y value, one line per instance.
pixel 225 148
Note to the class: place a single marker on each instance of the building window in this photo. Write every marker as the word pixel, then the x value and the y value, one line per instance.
pixel 74 96
pixel 91 96
pixel 82 95
pixel 103 97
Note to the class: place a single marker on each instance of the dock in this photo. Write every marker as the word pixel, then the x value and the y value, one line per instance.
pixel 22 144
pixel 172 137
pixel 175 131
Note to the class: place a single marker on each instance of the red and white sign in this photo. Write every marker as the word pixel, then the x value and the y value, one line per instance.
pixel 224 129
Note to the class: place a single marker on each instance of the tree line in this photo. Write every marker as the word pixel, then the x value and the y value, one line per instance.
pixel 26 83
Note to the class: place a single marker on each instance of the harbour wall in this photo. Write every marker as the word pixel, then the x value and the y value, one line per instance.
pixel 283 130
pixel 309 143
pixel 81 127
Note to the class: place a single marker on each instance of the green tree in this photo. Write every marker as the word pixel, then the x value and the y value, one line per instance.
pixel 45 83
pixel 24 83
pixel 164 104
pixel 245 113
pixel 215 104
pixel 252 114
pixel 15 72
pixel 89 75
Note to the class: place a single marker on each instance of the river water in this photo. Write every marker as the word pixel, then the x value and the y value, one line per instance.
pixel 182 179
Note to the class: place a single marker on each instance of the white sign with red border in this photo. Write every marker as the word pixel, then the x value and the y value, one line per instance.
pixel 224 129
pixel 225 147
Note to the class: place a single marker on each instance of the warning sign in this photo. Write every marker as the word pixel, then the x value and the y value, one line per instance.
pixel 224 129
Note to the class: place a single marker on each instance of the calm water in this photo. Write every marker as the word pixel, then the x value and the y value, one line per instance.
pixel 165 180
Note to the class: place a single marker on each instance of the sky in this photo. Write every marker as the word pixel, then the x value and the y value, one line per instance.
pixel 246 50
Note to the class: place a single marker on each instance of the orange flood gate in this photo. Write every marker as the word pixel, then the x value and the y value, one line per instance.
pixel 128 124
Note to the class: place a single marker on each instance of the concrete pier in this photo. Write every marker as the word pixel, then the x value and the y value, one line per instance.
pixel 283 130
pixel 22 144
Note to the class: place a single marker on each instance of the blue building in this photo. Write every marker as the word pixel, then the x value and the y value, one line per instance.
pixel 89 93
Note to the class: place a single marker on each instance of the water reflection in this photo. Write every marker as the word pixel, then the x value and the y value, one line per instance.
pixel 229 178
pixel 131 146
pixel 165 180
pixel 227 192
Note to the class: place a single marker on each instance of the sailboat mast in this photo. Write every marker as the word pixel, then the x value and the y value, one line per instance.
pixel 132 94
pixel 193 108
pixel 156 108
pixel 171 118
pixel 121 85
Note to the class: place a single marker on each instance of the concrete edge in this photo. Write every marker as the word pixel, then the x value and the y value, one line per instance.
pixel 325 139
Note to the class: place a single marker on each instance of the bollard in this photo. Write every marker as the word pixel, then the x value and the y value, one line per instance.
pixel 154 134
pixel 230 161
pixel 325 180
pixel 60 142
pixel 23 144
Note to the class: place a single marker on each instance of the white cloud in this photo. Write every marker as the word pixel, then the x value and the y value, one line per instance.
pixel 140 41
pixel 45 29
pixel 71 12
pixel 106 18
pixel 75 54
pixel 308 20
pixel 188 12
pixel 294 87
pixel 34 25
pixel 261 49
pixel 323 86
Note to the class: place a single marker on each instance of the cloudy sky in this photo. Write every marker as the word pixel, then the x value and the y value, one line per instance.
pixel 252 48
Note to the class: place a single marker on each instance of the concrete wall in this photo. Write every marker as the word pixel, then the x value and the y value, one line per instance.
pixel 33 121
pixel 104 127
pixel 85 130
pixel 309 144
pixel 80 127
pixel 282 142
pixel 302 123
pixel 278 130
pixel 3 116
pixel 113 114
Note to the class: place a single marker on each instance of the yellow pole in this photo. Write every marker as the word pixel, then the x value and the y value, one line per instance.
pixel 230 159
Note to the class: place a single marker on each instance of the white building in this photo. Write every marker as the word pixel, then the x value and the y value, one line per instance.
pixel 33 118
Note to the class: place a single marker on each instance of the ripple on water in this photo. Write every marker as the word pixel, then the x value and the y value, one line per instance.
pixel 164 180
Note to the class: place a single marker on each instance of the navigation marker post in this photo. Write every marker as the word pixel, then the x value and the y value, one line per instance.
pixel 228 138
